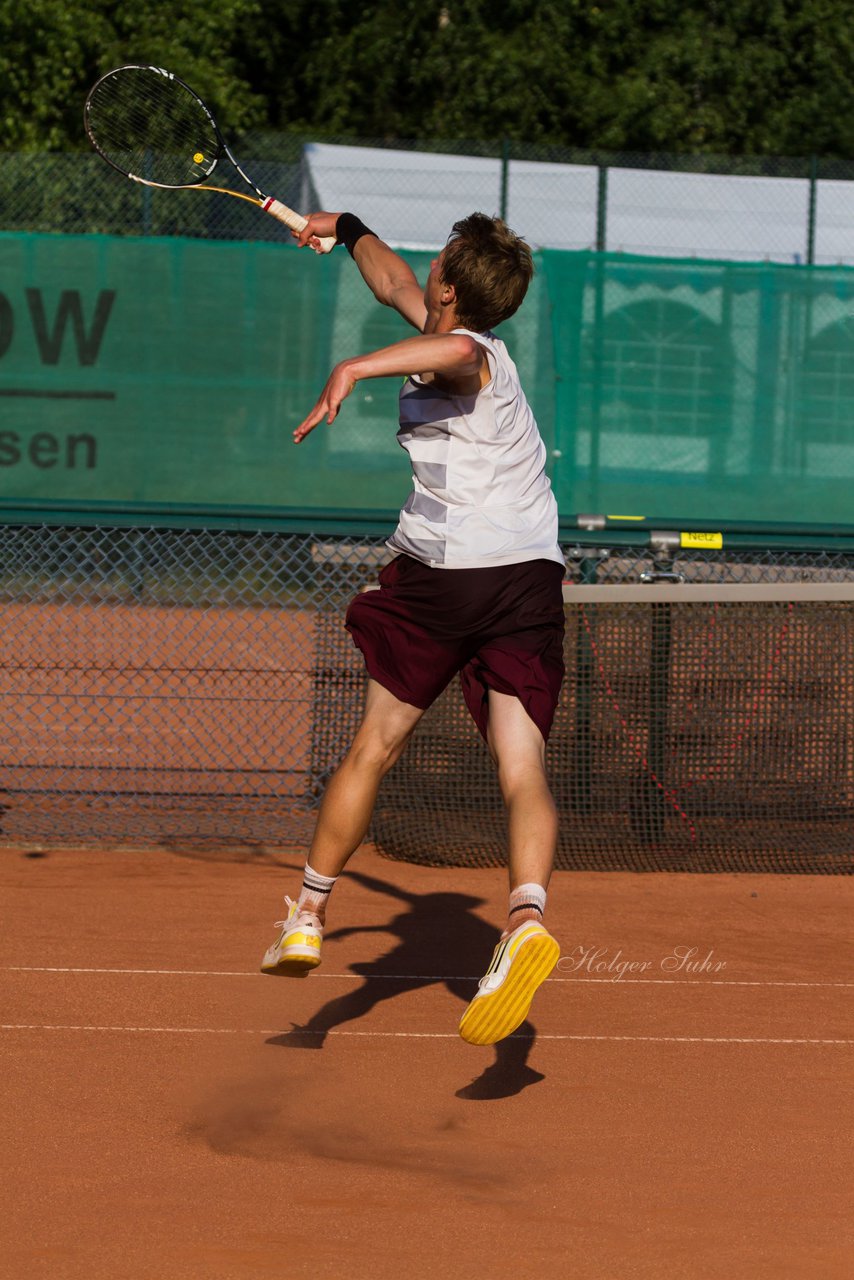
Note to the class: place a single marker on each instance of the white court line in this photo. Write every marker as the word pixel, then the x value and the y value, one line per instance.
pixel 422 977
pixel 700 982
pixel 413 1035
pixel 183 973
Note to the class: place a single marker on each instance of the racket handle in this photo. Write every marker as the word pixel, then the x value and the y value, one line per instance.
pixel 295 222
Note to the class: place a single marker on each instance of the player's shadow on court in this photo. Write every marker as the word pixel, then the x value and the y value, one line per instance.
pixel 437 932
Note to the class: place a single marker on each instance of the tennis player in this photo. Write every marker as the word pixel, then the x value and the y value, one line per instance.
pixel 474 588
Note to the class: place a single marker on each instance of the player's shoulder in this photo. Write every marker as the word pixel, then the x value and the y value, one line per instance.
pixel 486 338
pixel 495 351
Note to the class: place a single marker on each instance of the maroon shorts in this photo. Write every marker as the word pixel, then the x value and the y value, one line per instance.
pixel 500 628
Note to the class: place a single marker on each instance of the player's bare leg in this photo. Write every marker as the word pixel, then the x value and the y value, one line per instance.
pixel 518 750
pixel 527 953
pixel 348 803
pixel 342 824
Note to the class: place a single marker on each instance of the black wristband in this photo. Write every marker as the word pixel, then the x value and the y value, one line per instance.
pixel 349 229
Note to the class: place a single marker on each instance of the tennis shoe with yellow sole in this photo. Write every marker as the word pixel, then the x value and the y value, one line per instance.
pixel 520 962
pixel 297 949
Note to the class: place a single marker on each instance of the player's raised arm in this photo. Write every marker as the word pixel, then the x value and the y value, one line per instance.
pixel 390 279
pixel 453 356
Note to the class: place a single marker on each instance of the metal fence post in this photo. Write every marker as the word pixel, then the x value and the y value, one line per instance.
pixel 812 210
pixel 602 209
pixel 146 198
pixel 505 177
pixel 598 331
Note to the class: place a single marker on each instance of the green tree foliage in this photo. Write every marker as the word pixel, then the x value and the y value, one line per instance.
pixel 52 51
pixel 751 77
pixel 732 76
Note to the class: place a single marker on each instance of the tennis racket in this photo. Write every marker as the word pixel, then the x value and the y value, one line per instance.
pixel 154 129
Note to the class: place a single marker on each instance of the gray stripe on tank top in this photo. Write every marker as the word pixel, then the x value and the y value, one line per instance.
pixel 413 431
pixel 420 504
pixel 433 475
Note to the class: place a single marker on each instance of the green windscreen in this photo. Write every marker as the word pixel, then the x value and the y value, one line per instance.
pixel 174 371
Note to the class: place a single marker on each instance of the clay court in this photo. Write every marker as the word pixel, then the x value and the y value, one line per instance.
pixel 678 1105
pixel 172 1113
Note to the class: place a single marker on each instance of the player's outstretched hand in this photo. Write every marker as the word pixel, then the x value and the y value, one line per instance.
pixel 338 386
pixel 317 226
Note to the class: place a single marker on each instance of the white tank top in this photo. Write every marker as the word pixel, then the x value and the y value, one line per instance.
pixel 480 495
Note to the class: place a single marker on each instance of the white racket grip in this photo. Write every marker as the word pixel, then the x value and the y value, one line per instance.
pixel 296 222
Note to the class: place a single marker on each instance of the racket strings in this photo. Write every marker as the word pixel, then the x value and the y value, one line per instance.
pixel 152 127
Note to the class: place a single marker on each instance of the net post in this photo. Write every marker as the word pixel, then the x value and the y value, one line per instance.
pixel 652 785
pixel 582 772
pixel 651 800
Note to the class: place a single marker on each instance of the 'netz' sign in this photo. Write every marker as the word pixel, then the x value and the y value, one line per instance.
pixel 44 449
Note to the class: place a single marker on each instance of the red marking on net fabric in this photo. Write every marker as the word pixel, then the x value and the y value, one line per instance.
pixel 691 709
pixel 669 795
pixel 751 715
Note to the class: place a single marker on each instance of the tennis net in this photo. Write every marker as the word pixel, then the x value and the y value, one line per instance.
pixel 194 688
pixel 701 728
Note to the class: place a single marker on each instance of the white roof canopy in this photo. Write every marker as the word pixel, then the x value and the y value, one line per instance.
pixel 412 198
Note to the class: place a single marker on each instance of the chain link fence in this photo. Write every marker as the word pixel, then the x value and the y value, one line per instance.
pixel 195 688
pixel 777 208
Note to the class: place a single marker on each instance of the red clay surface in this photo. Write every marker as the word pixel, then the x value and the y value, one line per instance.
pixel 163 1121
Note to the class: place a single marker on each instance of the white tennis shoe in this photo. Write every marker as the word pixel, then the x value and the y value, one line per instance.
pixel 520 962
pixel 297 949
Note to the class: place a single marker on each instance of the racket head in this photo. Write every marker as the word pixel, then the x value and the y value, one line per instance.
pixel 152 127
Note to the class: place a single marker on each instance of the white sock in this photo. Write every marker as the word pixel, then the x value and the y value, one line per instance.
pixel 527 902
pixel 315 892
